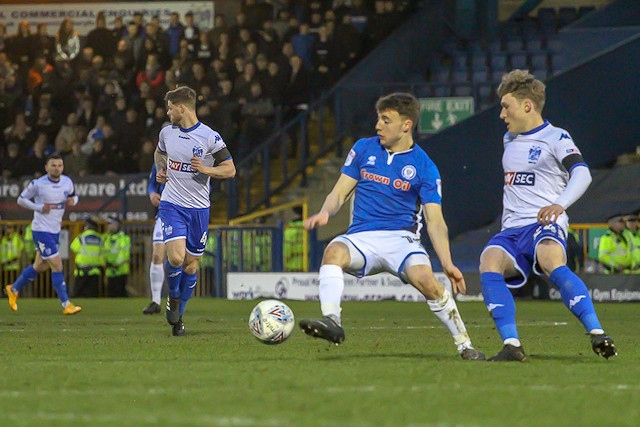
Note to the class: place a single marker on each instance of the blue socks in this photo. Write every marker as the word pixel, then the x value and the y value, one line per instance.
pixel 575 296
pixel 57 280
pixel 187 285
pixel 173 276
pixel 500 303
pixel 27 276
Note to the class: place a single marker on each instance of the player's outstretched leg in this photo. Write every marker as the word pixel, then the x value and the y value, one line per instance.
pixel 575 297
pixel 327 328
pixel 446 310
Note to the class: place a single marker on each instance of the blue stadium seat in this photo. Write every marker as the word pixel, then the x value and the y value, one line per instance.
pixel 424 90
pixel 479 76
pixel 555 44
pixel 459 60
pixel 540 73
pixel 547 20
pixel 518 60
pixel 441 90
pixel 539 59
pixel 440 74
pixel 494 45
pixel 459 76
pixel 513 43
pixel 462 89
pixel 534 42
pixel 478 61
pixel 475 45
pixel 498 61
pixel 496 75
pixel 557 62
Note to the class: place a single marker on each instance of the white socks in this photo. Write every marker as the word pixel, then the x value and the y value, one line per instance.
pixel 156 276
pixel 330 288
pixel 446 310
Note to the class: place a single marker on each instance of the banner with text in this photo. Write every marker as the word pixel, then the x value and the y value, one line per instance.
pixel 304 286
pixel 84 14
pixel 94 192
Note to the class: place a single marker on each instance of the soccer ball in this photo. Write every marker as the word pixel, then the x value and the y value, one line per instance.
pixel 271 321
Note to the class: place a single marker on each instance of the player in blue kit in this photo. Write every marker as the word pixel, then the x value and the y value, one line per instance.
pixel 395 183
pixel 156 269
pixel 544 174
pixel 188 155
pixel 47 197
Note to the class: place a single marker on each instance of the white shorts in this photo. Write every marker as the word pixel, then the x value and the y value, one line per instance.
pixel 373 252
pixel 157 232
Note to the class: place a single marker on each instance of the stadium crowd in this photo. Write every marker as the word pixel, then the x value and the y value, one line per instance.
pixel 98 100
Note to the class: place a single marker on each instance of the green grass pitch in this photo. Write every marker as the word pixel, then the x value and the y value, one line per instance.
pixel 112 366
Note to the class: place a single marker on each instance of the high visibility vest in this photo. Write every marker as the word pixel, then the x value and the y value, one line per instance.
pixel 29 244
pixel 88 249
pixel 117 254
pixel 614 252
pixel 634 245
pixel 293 246
pixel 11 247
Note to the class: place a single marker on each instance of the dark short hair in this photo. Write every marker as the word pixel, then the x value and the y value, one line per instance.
pixel 53 156
pixel 404 103
pixel 182 95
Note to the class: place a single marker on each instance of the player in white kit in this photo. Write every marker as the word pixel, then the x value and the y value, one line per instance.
pixel 188 155
pixel 156 269
pixel 544 174
pixel 395 184
pixel 47 197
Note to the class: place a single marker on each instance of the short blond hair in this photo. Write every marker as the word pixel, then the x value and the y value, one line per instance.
pixel 523 85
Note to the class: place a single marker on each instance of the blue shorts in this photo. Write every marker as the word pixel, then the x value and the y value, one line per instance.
pixel 46 243
pixel 191 224
pixel 521 243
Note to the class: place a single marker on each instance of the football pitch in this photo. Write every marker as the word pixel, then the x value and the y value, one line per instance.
pixel 112 366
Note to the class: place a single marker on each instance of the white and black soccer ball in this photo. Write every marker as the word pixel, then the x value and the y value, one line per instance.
pixel 271 321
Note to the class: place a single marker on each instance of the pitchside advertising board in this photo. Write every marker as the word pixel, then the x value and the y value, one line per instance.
pixel 84 14
pixel 304 286
pixel 95 193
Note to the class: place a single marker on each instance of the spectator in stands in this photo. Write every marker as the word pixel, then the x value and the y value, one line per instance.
pixel 234 29
pixel 46 125
pixel 614 250
pixel 127 144
pixel 379 24
pixel 631 222
pixel 198 77
pixel 76 162
pixel 303 43
pixel 135 42
pixel 281 24
pixel 268 40
pixel 93 134
pixel 37 155
pixel 122 78
pixel 14 164
pixel 118 115
pixel 219 27
pixel 19 132
pixel 4 37
pixel 119 31
pixel 152 74
pixel 175 33
pixel 101 161
pixel 43 43
pixel 296 98
pixel 159 43
pixel 256 117
pixel 350 44
pixel 359 15
pixel 191 33
pixel 87 112
pixel 204 49
pixel 20 48
pixel 146 154
pixel 124 54
pixel 70 133
pixel 325 60
pixel 67 41
pixel 101 39
pixel 242 83
pixel 39 75
pixel 274 83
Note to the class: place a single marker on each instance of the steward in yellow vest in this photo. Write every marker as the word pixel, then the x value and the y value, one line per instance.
pixel 614 252
pixel 87 247
pixel 117 254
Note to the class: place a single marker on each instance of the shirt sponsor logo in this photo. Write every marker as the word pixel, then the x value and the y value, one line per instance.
pixel 572 150
pixel 179 166
pixel 520 178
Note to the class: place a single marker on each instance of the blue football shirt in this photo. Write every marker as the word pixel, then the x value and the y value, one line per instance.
pixel 392 187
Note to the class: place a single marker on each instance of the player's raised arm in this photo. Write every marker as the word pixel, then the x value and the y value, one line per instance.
pixel 341 191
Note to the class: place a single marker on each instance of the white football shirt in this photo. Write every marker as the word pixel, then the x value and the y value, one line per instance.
pixel 185 187
pixel 533 173
pixel 54 193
